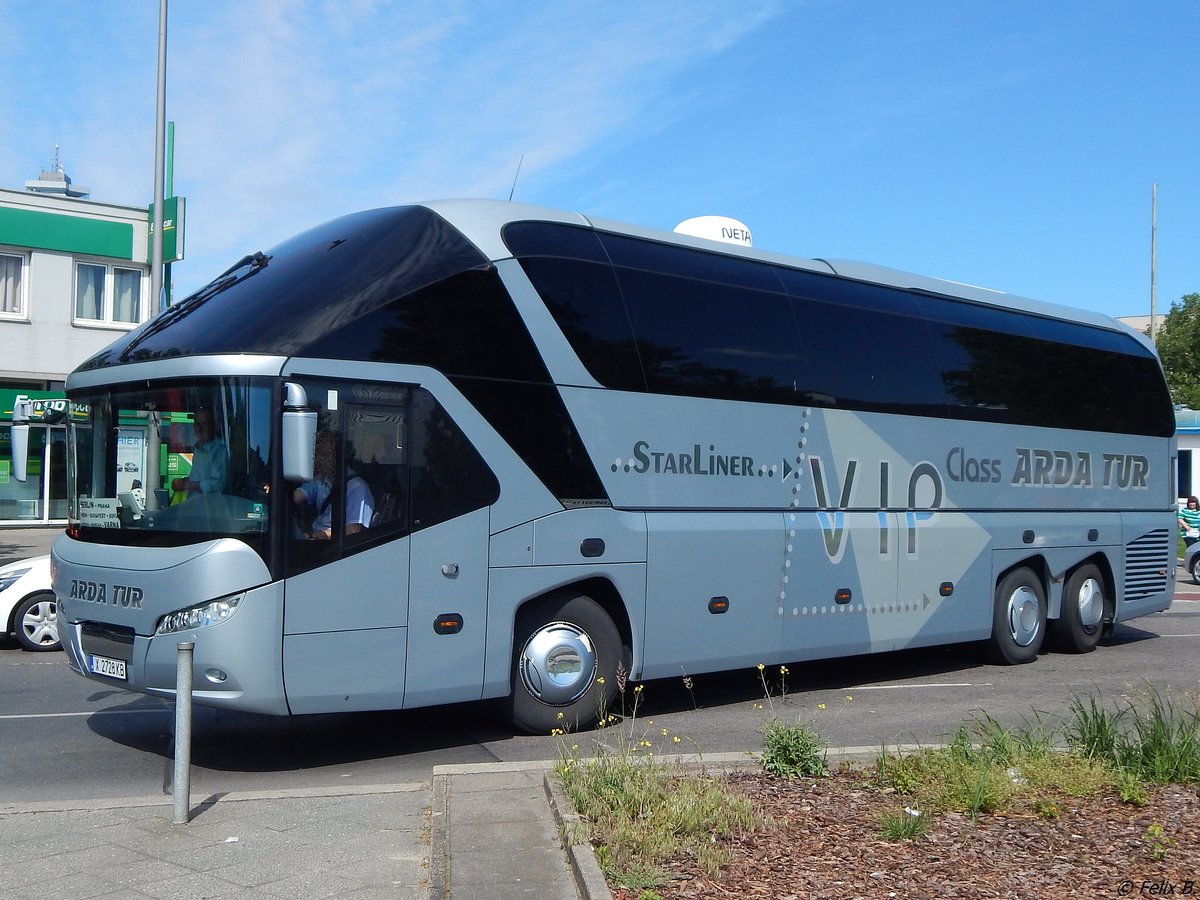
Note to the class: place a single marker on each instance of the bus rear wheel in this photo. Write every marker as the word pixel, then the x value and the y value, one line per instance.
pixel 565 665
pixel 1018 618
pixel 1084 605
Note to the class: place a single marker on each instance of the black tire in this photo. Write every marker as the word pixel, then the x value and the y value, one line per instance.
pixel 571 634
pixel 1084 610
pixel 1018 618
pixel 35 622
pixel 1196 568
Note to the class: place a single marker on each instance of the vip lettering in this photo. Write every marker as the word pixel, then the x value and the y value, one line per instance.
pixel 691 462
pixel 124 595
pixel 925 493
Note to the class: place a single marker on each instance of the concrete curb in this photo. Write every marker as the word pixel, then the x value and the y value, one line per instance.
pixel 439 836
pixel 15 808
pixel 589 880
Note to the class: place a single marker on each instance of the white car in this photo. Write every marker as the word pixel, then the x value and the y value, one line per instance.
pixel 28 608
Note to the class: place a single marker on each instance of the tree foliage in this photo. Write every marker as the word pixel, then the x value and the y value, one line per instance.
pixel 1179 348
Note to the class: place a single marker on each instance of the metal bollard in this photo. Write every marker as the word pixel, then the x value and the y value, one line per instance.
pixel 181 788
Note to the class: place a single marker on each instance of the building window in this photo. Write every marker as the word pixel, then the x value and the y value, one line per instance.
pixel 108 294
pixel 127 295
pixel 12 297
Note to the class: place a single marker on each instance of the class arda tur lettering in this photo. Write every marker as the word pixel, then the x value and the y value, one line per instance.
pixel 1064 468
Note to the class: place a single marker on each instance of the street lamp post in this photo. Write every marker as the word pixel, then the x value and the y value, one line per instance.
pixel 160 116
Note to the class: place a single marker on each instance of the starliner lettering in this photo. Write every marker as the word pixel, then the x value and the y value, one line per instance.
pixel 125 595
pixel 689 462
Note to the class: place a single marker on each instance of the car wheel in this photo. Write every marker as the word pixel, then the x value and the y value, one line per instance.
pixel 36 622
pixel 1196 568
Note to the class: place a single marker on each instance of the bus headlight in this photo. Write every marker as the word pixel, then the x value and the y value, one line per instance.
pixel 205 614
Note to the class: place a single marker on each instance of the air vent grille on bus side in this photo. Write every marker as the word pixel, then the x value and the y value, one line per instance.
pixel 1147 560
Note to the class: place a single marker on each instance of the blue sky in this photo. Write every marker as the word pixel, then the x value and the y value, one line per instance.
pixel 1007 144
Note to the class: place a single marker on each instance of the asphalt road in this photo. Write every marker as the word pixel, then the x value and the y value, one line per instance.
pixel 65 738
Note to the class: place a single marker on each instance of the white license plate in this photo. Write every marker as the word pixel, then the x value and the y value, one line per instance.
pixel 103 665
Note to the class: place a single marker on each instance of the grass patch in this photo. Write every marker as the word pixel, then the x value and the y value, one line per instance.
pixel 1156 742
pixel 906 824
pixel 643 811
pixel 989 769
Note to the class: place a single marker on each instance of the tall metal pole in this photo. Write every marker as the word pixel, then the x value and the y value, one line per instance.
pixel 160 118
pixel 1153 260
pixel 170 192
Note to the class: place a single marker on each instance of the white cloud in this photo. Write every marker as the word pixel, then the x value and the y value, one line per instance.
pixel 290 112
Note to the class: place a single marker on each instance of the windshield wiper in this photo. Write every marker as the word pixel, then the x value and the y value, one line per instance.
pixel 251 262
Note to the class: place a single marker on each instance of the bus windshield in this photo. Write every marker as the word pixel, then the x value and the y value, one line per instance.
pixel 180 463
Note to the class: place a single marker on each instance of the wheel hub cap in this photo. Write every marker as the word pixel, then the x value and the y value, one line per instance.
pixel 558 663
pixel 1023 616
pixel 1091 603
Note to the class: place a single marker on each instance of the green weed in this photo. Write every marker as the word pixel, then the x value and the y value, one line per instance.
pixel 907 824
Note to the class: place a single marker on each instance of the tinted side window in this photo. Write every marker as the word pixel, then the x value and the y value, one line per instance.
pixel 526 239
pixel 584 299
pixel 637 253
pixel 533 420
pixel 870 360
pixel 703 339
pixel 447 476
pixel 463 325
pixel 1089 388
pixel 991 376
pixel 1004 366
pixel 867 346
pixel 1149 396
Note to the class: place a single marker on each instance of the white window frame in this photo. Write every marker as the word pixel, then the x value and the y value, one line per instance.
pixel 107 319
pixel 21 314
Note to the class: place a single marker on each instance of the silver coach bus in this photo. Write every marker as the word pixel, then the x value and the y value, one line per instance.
pixel 473 449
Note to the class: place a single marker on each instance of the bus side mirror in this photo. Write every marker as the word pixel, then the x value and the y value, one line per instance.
pixel 19 436
pixel 299 434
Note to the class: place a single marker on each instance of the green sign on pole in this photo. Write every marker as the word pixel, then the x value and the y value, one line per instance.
pixel 173 214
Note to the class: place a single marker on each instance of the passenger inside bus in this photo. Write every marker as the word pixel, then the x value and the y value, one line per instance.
pixel 314 498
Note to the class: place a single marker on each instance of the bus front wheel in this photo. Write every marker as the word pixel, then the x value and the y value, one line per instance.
pixel 1018 618
pixel 565 665
pixel 1083 609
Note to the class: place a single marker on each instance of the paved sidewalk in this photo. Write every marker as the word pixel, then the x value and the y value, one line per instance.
pixel 475 831
pixel 494 834
pixel 364 843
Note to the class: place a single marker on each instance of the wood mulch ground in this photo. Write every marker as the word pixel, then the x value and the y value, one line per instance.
pixel 825 843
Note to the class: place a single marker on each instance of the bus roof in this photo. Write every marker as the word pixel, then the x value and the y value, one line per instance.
pixel 482 222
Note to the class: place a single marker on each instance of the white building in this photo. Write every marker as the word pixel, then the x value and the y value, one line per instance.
pixel 73 276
